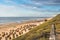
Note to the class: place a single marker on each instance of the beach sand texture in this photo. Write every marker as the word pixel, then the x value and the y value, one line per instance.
pixel 14 30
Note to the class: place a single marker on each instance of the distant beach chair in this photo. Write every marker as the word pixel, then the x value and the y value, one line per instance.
pixel 3 34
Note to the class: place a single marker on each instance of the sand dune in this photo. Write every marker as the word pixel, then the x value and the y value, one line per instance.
pixel 14 30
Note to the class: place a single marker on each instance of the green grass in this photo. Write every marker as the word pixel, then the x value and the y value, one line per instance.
pixel 42 31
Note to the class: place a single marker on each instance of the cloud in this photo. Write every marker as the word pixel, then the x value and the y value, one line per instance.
pixel 6 10
pixel 8 2
pixel 29 7
pixel 47 1
pixel 12 10
pixel 16 11
pixel 57 1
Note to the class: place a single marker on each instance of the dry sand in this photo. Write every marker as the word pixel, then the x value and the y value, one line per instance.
pixel 13 26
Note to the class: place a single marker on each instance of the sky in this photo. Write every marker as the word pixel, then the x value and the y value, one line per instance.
pixel 29 8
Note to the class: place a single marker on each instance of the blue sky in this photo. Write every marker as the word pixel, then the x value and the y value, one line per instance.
pixel 35 8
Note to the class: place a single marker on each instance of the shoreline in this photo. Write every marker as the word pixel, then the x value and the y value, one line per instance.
pixel 15 24
pixel 21 27
pixel 23 21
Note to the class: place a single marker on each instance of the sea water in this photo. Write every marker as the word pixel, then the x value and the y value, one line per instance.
pixel 18 19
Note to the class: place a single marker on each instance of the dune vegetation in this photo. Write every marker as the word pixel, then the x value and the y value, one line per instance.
pixel 41 32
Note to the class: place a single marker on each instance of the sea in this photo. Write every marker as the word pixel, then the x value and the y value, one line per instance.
pixel 19 19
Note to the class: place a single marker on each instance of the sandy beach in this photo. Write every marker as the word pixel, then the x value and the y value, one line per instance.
pixel 10 31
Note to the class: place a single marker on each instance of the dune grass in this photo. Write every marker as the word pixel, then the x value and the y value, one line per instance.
pixel 42 31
